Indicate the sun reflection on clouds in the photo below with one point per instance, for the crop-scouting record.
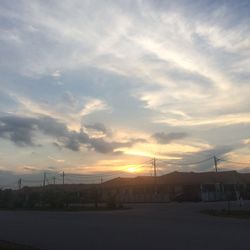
(114, 166)
(165, 151)
(167, 65)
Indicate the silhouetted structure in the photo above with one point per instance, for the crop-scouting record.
(175, 186)
(179, 186)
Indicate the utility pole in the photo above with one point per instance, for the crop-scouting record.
(155, 175)
(218, 185)
(215, 164)
(19, 183)
(54, 180)
(44, 179)
(154, 165)
(63, 177)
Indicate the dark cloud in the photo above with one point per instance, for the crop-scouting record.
(18, 130)
(102, 146)
(164, 138)
(98, 126)
(22, 131)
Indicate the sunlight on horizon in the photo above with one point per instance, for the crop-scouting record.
(96, 87)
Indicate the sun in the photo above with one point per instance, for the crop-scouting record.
(132, 170)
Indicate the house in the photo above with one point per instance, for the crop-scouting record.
(246, 178)
(178, 186)
(138, 189)
(205, 186)
(175, 186)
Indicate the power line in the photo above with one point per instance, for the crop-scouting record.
(235, 162)
(89, 177)
(33, 181)
(111, 172)
(76, 177)
(95, 177)
(185, 163)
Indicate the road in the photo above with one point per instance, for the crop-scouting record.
(145, 226)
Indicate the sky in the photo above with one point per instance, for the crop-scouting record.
(93, 87)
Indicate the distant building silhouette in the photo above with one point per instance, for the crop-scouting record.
(175, 186)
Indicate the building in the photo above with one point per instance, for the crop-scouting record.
(175, 186)
(179, 186)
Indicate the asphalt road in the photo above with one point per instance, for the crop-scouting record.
(146, 226)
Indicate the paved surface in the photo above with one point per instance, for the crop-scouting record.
(146, 226)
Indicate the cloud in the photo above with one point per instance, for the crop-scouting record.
(93, 105)
(223, 120)
(98, 126)
(69, 99)
(201, 160)
(56, 160)
(164, 138)
(68, 108)
(56, 74)
(196, 59)
(22, 131)
(18, 130)
(154, 64)
(30, 168)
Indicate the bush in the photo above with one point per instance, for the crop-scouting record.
(113, 203)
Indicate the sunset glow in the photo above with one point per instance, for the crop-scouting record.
(96, 88)
(133, 169)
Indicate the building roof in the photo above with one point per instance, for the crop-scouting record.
(126, 181)
(182, 178)
(174, 178)
(225, 177)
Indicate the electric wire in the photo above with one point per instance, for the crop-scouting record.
(185, 163)
(235, 162)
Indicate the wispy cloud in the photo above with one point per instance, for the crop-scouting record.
(56, 160)
(137, 67)
(223, 120)
(69, 110)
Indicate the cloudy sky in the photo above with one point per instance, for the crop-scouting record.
(102, 86)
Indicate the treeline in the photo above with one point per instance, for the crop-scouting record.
(48, 198)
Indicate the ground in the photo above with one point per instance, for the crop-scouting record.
(145, 226)
(5, 245)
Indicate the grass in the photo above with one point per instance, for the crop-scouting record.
(239, 214)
